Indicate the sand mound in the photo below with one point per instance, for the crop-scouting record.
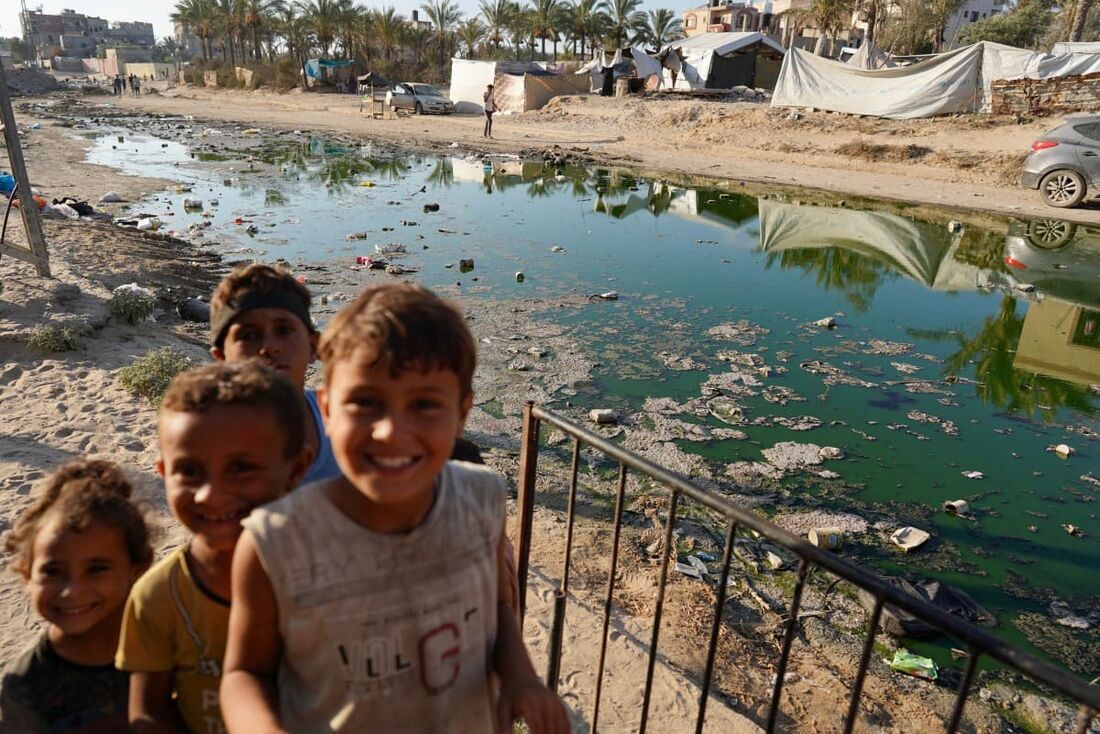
(29, 82)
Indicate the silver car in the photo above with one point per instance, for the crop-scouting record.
(421, 99)
(1065, 161)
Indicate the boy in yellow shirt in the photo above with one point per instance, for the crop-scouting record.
(231, 439)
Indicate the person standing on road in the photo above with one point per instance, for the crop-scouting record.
(490, 108)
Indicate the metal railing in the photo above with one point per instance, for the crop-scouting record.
(978, 642)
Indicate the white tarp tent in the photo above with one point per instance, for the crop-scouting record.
(1076, 47)
(469, 79)
(956, 81)
(869, 56)
(702, 54)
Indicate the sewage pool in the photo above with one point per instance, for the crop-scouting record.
(969, 345)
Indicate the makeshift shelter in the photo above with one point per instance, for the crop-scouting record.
(335, 71)
(603, 64)
(869, 56)
(726, 60)
(531, 90)
(1076, 47)
(956, 81)
(519, 85)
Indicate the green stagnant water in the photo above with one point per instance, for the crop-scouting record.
(1012, 309)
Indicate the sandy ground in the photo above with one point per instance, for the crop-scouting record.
(969, 161)
(58, 405)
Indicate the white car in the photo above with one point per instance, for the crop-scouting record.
(421, 99)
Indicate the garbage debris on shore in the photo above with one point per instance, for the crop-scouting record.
(914, 665)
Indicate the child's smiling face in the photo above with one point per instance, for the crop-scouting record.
(79, 579)
(391, 435)
(220, 464)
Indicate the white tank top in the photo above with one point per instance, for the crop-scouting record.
(386, 633)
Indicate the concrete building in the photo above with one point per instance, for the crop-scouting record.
(971, 12)
(131, 33)
(72, 35)
(765, 16)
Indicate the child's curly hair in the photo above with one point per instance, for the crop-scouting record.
(82, 492)
(249, 384)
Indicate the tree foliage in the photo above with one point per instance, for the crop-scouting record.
(1023, 27)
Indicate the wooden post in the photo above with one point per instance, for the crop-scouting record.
(32, 224)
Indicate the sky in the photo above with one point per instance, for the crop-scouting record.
(157, 11)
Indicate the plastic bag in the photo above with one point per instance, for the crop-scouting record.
(915, 665)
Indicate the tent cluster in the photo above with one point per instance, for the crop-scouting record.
(704, 61)
(519, 86)
(956, 81)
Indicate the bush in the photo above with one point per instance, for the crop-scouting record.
(53, 338)
(132, 303)
(1023, 27)
(148, 376)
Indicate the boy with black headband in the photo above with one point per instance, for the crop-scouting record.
(261, 311)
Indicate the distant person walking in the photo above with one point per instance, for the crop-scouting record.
(118, 85)
(490, 108)
(137, 85)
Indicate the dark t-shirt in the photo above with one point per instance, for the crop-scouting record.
(42, 693)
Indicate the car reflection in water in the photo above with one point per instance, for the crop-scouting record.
(1059, 259)
(1061, 331)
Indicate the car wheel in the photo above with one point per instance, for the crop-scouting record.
(419, 109)
(1063, 188)
(1050, 234)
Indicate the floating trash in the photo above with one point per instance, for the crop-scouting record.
(603, 416)
(909, 538)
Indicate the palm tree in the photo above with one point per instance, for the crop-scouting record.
(625, 17)
(659, 28)
(519, 26)
(323, 18)
(443, 14)
(587, 21)
(471, 32)
(295, 31)
(416, 38)
(828, 17)
(497, 14)
(388, 24)
(1080, 15)
(199, 17)
(256, 19)
(547, 17)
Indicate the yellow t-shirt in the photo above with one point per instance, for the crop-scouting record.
(171, 623)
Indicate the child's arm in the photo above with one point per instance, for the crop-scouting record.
(248, 696)
(522, 696)
(152, 710)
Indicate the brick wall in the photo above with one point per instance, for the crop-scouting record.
(1061, 94)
